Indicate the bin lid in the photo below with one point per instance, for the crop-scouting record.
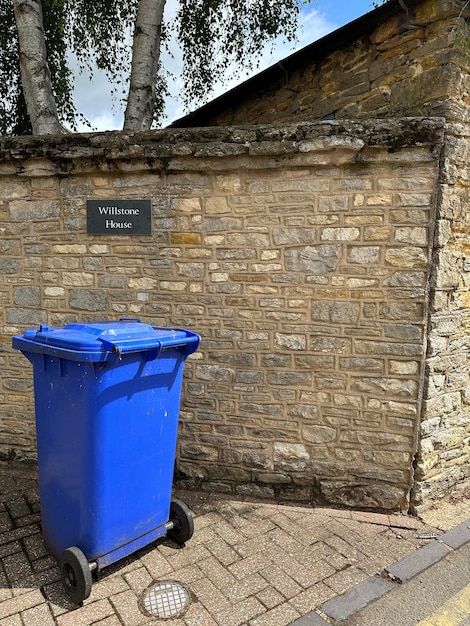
(101, 338)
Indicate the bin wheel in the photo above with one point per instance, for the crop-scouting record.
(76, 574)
(183, 523)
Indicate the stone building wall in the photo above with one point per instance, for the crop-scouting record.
(408, 65)
(302, 254)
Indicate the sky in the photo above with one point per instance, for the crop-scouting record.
(93, 97)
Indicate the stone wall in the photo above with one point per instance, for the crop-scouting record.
(412, 63)
(444, 452)
(302, 255)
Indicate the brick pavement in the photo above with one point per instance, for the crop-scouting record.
(248, 563)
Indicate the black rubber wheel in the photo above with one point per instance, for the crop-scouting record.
(76, 574)
(183, 523)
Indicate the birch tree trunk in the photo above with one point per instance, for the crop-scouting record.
(35, 74)
(145, 59)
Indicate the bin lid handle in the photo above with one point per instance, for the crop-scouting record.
(153, 351)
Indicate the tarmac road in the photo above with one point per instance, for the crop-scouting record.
(440, 596)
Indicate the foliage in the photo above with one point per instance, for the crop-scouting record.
(13, 116)
(93, 30)
(213, 35)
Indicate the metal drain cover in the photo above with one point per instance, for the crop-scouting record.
(166, 599)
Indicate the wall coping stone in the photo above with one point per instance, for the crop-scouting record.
(396, 134)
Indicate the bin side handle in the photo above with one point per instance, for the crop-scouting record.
(192, 342)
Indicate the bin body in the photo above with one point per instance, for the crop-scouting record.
(106, 427)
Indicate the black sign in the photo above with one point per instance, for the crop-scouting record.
(119, 217)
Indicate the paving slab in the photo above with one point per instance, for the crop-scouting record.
(249, 563)
(311, 619)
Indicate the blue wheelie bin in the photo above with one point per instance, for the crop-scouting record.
(107, 399)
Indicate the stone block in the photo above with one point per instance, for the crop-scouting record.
(27, 317)
(318, 434)
(310, 619)
(336, 312)
(361, 494)
(290, 457)
(291, 342)
(413, 235)
(318, 260)
(409, 257)
(9, 266)
(340, 234)
(217, 205)
(293, 236)
(33, 210)
(213, 373)
(88, 300)
(185, 238)
(27, 296)
(335, 203)
(363, 255)
(288, 378)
